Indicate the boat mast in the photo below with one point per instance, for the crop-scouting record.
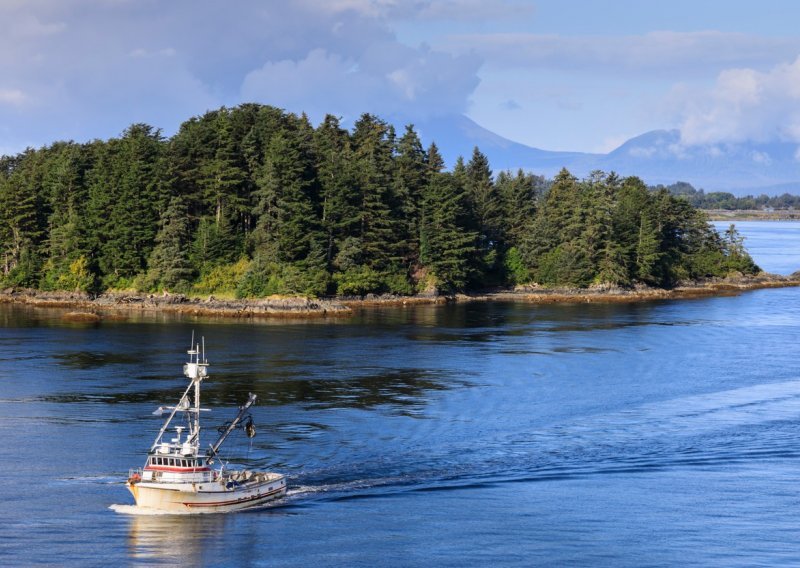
(196, 370)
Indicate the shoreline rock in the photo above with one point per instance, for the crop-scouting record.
(118, 302)
(115, 304)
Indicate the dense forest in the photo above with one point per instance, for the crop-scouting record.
(255, 201)
(724, 200)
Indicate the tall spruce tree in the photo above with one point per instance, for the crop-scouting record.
(126, 197)
(169, 265)
(221, 176)
(411, 176)
(447, 244)
(23, 215)
(378, 239)
(339, 215)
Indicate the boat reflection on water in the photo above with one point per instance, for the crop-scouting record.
(179, 540)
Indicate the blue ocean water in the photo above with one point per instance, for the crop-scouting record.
(653, 434)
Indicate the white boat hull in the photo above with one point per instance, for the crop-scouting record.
(221, 496)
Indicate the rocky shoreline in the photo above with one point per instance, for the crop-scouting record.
(84, 307)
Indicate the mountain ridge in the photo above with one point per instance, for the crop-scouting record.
(657, 156)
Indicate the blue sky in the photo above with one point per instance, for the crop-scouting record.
(558, 75)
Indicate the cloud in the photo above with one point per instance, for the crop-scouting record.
(761, 158)
(89, 68)
(743, 104)
(474, 10)
(12, 97)
(655, 52)
(432, 10)
(390, 80)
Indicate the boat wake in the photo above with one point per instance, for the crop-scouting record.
(735, 428)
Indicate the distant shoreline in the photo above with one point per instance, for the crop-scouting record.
(80, 307)
(752, 215)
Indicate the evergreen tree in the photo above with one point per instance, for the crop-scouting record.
(126, 196)
(485, 212)
(648, 252)
(340, 217)
(287, 220)
(170, 265)
(411, 175)
(23, 217)
(378, 235)
(67, 242)
(221, 177)
(447, 244)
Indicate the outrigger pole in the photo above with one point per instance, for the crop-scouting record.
(242, 410)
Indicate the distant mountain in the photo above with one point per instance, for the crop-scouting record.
(457, 135)
(658, 157)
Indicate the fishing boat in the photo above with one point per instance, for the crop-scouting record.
(180, 477)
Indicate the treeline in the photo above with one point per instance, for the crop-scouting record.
(724, 200)
(256, 201)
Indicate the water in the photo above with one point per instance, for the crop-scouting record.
(649, 434)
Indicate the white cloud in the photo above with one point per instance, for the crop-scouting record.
(88, 68)
(390, 80)
(656, 52)
(743, 104)
(12, 97)
(761, 158)
(142, 52)
(474, 10)
(448, 10)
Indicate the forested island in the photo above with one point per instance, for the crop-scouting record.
(252, 201)
(725, 201)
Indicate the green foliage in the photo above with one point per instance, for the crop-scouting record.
(76, 278)
(447, 244)
(25, 272)
(170, 266)
(515, 269)
(736, 257)
(396, 281)
(222, 279)
(565, 265)
(358, 281)
(254, 201)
